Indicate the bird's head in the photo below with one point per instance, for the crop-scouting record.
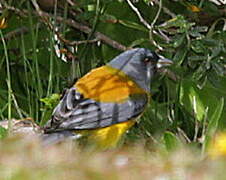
(140, 65)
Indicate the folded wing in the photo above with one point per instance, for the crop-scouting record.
(74, 112)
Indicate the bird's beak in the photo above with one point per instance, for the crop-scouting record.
(163, 62)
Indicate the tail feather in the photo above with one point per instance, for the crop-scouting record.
(57, 137)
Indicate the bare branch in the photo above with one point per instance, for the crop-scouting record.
(35, 4)
(157, 15)
(152, 26)
(145, 23)
(72, 23)
(87, 30)
(165, 9)
(15, 33)
(139, 14)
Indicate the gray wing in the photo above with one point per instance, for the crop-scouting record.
(75, 112)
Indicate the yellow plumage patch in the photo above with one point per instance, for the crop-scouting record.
(107, 137)
(106, 84)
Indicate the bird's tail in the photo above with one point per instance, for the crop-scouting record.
(49, 139)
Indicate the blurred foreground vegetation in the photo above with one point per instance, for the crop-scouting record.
(188, 102)
(24, 158)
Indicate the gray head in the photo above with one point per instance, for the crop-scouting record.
(140, 64)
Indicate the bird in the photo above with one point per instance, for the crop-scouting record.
(106, 102)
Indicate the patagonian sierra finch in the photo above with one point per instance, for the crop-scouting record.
(107, 101)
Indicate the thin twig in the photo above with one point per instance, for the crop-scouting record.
(72, 23)
(157, 15)
(164, 35)
(153, 23)
(139, 14)
(145, 23)
(181, 132)
(165, 9)
(62, 39)
(15, 33)
(73, 43)
(87, 30)
(98, 35)
(70, 3)
(21, 13)
(17, 106)
(35, 4)
(170, 74)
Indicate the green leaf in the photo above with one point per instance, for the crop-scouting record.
(138, 42)
(197, 58)
(175, 22)
(211, 8)
(190, 98)
(108, 18)
(196, 31)
(133, 25)
(214, 119)
(200, 28)
(3, 132)
(198, 47)
(179, 41)
(51, 101)
(180, 22)
(196, 99)
(180, 56)
(213, 124)
(216, 50)
(171, 141)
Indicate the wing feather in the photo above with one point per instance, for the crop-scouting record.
(74, 112)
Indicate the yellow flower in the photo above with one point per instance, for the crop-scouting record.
(194, 8)
(3, 23)
(217, 147)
